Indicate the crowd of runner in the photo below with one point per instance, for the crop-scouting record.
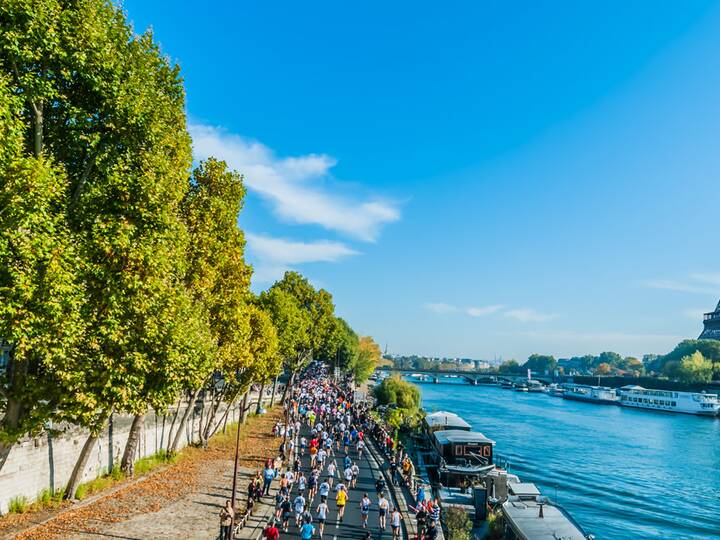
(321, 447)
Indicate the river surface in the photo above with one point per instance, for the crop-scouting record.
(621, 473)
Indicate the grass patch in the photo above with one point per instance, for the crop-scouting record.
(93, 486)
(147, 464)
(18, 505)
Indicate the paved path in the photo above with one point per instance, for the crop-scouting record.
(351, 527)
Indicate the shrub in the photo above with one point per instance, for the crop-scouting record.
(394, 390)
(18, 505)
(458, 524)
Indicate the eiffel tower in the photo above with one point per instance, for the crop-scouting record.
(712, 324)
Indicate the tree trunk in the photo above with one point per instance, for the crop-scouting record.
(212, 413)
(287, 386)
(172, 424)
(260, 399)
(172, 448)
(4, 453)
(38, 129)
(82, 460)
(244, 410)
(128, 460)
(272, 397)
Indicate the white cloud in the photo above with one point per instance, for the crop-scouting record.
(439, 307)
(711, 278)
(482, 311)
(293, 184)
(276, 255)
(698, 283)
(528, 315)
(678, 286)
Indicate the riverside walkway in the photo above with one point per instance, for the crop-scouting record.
(350, 528)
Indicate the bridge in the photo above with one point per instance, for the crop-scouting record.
(474, 378)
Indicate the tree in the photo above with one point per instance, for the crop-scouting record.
(694, 368)
(394, 390)
(40, 290)
(709, 348)
(366, 360)
(304, 318)
(108, 109)
(540, 363)
(603, 369)
(509, 366)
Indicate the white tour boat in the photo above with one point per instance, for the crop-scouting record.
(669, 400)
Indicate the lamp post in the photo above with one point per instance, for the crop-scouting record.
(234, 484)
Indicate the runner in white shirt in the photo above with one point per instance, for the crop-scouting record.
(331, 469)
(355, 473)
(324, 491)
(395, 518)
(365, 509)
(291, 480)
(299, 507)
(322, 513)
(360, 446)
(348, 476)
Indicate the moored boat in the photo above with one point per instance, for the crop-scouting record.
(669, 400)
(601, 395)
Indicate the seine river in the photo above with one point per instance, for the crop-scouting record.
(621, 473)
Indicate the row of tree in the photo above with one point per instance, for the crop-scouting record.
(691, 361)
(123, 281)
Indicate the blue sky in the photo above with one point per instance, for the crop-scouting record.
(480, 179)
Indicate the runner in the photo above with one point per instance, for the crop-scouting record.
(341, 499)
(322, 512)
(395, 519)
(286, 512)
(383, 507)
(299, 506)
(307, 531)
(365, 509)
(332, 471)
(324, 491)
(355, 470)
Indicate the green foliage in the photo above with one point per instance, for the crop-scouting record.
(540, 363)
(709, 348)
(304, 319)
(394, 390)
(509, 367)
(150, 463)
(367, 359)
(18, 505)
(458, 524)
(693, 368)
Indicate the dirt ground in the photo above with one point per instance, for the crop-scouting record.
(181, 500)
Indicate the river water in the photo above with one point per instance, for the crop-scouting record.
(621, 473)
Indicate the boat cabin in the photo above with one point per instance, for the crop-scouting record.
(443, 421)
(469, 448)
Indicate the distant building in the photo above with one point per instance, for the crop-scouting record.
(711, 322)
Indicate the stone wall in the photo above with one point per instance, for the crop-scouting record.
(46, 462)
